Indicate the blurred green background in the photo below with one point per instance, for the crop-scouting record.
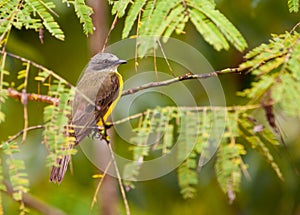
(263, 194)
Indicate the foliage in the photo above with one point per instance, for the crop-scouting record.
(194, 132)
(56, 124)
(39, 14)
(228, 167)
(84, 13)
(293, 5)
(259, 138)
(161, 18)
(275, 66)
(55, 127)
(16, 173)
(36, 15)
(3, 85)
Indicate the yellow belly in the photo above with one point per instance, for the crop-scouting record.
(112, 106)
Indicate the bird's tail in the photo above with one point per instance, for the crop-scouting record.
(58, 172)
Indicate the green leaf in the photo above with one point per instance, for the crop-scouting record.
(132, 16)
(158, 18)
(18, 178)
(229, 168)
(120, 7)
(56, 124)
(153, 16)
(8, 12)
(207, 13)
(258, 141)
(189, 133)
(2, 186)
(40, 7)
(293, 65)
(16, 173)
(286, 94)
(131, 171)
(187, 177)
(84, 13)
(293, 6)
(209, 31)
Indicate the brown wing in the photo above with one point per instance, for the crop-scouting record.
(97, 92)
(106, 95)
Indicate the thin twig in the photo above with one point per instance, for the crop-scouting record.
(100, 183)
(165, 57)
(119, 180)
(50, 72)
(24, 101)
(294, 28)
(12, 138)
(110, 30)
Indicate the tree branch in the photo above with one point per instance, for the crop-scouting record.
(35, 203)
(187, 76)
(31, 96)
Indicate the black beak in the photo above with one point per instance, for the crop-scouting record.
(122, 61)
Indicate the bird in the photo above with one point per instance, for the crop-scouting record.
(97, 92)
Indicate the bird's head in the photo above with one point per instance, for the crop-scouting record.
(105, 62)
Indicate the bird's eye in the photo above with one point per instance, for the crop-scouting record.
(105, 61)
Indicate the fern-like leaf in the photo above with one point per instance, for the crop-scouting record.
(258, 140)
(2, 186)
(293, 6)
(194, 132)
(16, 172)
(293, 64)
(24, 18)
(152, 16)
(188, 139)
(286, 94)
(208, 30)
(187, 176)
(39, 7)
(206, 8)
(277, 66)
(140, 151)
(3, 85)
(135, 9)
(120, 7)
(56, 124)
(158, 18)
(84, 13)
(228, 168)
